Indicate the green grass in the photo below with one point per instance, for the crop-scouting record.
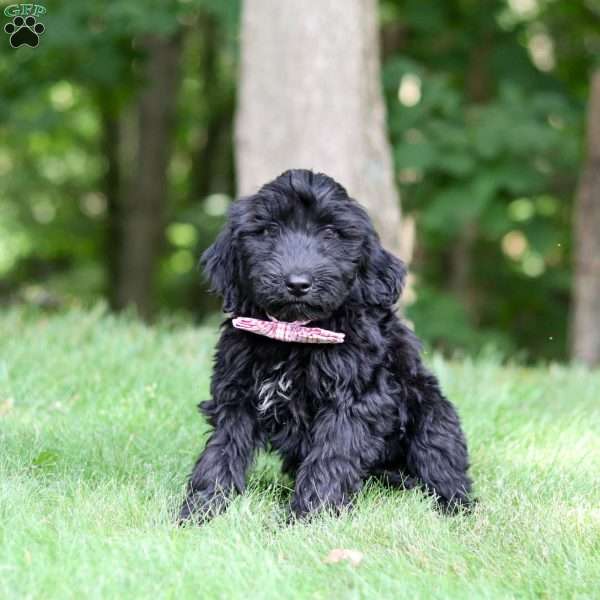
(98, 429)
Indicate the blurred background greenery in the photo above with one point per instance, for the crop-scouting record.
(486, 104)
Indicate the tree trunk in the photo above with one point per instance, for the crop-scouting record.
(112, 189)
(478, 90)
(144, 210)
(310, 97)
(212, 161)
(586, 234)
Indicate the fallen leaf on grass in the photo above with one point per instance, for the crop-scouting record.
(354, 557)
(5, 406)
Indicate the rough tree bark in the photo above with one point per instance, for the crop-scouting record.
(146, 199)
(586, 233)
(310, 97)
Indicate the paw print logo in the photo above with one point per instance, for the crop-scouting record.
(24, 32)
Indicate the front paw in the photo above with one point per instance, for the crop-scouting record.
(200, 507)
(459, 504)
(304, 506)
(298, 511)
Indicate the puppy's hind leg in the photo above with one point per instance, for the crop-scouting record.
(436, 447)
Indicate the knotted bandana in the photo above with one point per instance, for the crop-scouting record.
(284, 331)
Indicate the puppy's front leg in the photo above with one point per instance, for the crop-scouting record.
(220, 471)
(337, 463)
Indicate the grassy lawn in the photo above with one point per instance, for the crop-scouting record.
(98, 430)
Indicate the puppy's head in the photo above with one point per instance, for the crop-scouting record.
(298, 250)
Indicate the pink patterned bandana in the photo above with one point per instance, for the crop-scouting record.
(284, 331)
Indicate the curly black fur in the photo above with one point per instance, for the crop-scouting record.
(337, 414)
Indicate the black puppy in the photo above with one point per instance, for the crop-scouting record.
(337, 413)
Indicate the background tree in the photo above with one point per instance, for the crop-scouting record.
(310, 97)
(586, 301)
(575, 33)
(144, 211)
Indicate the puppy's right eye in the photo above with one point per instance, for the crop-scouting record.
(269, 231)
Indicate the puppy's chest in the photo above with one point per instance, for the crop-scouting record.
(284, 394)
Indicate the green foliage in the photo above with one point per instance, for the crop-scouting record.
(53, 204)
(487, 148)
(485, 105)
(94, 460)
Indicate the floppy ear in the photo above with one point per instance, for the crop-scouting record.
(220, 266)
(380, 277)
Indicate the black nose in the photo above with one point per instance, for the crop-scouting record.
(298, 283)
